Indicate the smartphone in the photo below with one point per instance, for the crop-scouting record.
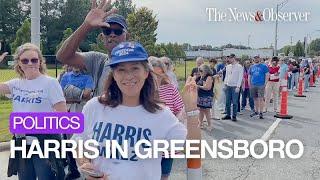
(92, 173)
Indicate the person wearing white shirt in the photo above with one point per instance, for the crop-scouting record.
(232, 82)
(130, 110)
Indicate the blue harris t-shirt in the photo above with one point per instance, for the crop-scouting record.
(258, 74)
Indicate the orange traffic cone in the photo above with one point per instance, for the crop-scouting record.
(284, 100)
(300, 84)
(312, 81)
(300, 89)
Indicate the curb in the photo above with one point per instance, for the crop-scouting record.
(4, 146)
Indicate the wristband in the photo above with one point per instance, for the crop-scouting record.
(193, 113)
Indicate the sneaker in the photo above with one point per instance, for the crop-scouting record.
(240, 113)
(214, 118)
(224, 112)
(234, 118)
(260, 116)
(253, 114)
(226, 117)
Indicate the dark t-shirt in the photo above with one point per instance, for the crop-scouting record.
(307, 69)
(295, 68)
(201, 92)
(195, 72)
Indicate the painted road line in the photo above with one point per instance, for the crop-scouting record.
(271, 129)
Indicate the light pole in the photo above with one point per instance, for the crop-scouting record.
(249, 40)
(35, 22)
(279, 6)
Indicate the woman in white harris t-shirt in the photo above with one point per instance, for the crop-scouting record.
(33, 91)
(128, 110)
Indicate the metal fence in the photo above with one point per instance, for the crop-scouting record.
(6, 67)
(182, 66)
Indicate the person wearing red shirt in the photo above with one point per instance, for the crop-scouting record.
(273, 85)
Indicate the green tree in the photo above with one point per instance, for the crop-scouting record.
(142, 25)
(186, 47)
(125, 7)
(12, 15)
(286, 49)
(72, 15)
(314, 47)
(23, 35)
(170, 50)
(99, 45)
(51, 30)
(66, 34)
(298, 49)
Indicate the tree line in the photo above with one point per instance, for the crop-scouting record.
(298, 50)
(59, 18)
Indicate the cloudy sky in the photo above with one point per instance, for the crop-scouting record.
(187, 21)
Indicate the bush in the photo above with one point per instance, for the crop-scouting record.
(4, 98)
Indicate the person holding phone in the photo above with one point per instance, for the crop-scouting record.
(130, 109)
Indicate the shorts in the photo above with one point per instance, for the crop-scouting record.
(166, 166)
(257, 91)
(205, 102)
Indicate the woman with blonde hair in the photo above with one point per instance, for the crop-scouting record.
(34, 91)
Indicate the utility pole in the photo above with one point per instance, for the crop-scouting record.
(279, 6)
(276, 35)
(35, 22)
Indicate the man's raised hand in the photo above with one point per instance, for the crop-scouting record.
(97, 15)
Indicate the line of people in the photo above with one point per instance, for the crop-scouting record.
(231, 84)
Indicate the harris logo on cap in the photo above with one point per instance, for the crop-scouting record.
(128, 52)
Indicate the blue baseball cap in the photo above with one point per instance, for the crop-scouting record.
(116, 18)
(128, 52)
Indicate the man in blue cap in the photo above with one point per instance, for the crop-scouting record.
(114, 31)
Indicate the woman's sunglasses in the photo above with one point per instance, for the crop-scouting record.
(26, 61)
(108, 31)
